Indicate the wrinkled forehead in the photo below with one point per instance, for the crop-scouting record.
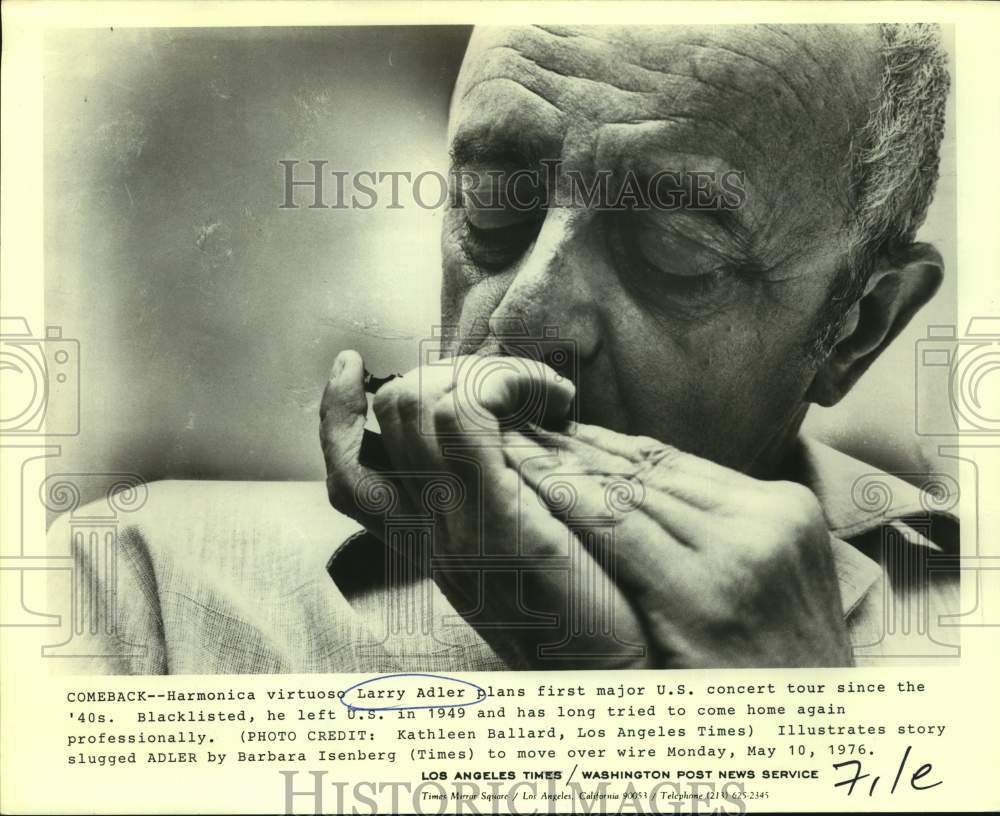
(767, 100)
(607, 74)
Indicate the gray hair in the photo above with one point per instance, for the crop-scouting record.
(893, 162)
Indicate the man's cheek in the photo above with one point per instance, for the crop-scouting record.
(458, 277)
(468, 301)
(453, 292)
(465, 309)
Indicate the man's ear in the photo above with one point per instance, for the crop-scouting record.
(897, 289)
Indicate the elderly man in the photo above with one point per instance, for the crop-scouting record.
(700, 529)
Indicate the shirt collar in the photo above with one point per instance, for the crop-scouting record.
(857, 497)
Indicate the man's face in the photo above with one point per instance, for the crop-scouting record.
(690, 327)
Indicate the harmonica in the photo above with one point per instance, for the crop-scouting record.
(373, 453)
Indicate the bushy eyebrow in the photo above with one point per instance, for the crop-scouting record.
(726, 230)
(723, 231)
(520, 149)
(732, 221)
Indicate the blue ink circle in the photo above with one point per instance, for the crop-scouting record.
(411, 707)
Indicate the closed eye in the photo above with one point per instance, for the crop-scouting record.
(658, 264)
(495, 249)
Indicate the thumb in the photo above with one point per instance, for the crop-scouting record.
(520, 391)
(342, 410)
(352, 488)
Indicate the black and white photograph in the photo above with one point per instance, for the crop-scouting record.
(533, 347)
(499, 407)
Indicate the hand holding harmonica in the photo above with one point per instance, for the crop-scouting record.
(706, 567)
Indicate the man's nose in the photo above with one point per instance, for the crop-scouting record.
(550, 310)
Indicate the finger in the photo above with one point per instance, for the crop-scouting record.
(351, 487)
(517, 390)
(474, 454)
(413, 453)
(700, 482)
(512, 390)
(409, 442)
(539, 552)
(483, 390)
(342, 412)
(633, 532)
